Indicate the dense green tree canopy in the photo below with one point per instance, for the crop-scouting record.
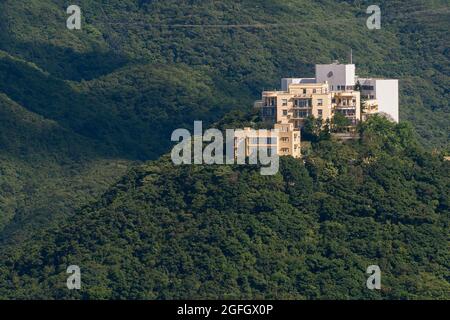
(166, 232)
(80, 109)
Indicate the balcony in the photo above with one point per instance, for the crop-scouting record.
(302, 103)
(343, 107)
(370, 106)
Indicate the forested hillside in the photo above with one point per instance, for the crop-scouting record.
(309, 232)
(46, 170)
(79, 109)
(139, 69)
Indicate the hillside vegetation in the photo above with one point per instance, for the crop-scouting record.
(81, 109)
(139, 69)
(309, 232)
(46, 170)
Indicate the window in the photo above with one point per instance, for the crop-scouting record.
(268, 150)
(314, 90)
(302, 114)
(347, 113)
(271, 102)
(320, 102)
(320, 113)
(285, 112)
(269, 112)
(258, 141)
(303, 103)
(285, 139)
(284, 102)
(304, 91)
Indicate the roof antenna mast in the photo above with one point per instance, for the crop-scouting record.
(351, 56)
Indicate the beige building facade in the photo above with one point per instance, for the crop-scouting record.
(336, 89)
(283, 140)
(332, 91)
(302, 100)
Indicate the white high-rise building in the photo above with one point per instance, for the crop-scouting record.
(385, 92)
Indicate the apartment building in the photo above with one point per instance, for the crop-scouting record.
(297, 103)
(302, 100)
(335, 89)
(284, 140)
(384, 92)
(380, 92)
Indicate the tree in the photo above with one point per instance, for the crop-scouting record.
(314, 129)
(339, 122)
